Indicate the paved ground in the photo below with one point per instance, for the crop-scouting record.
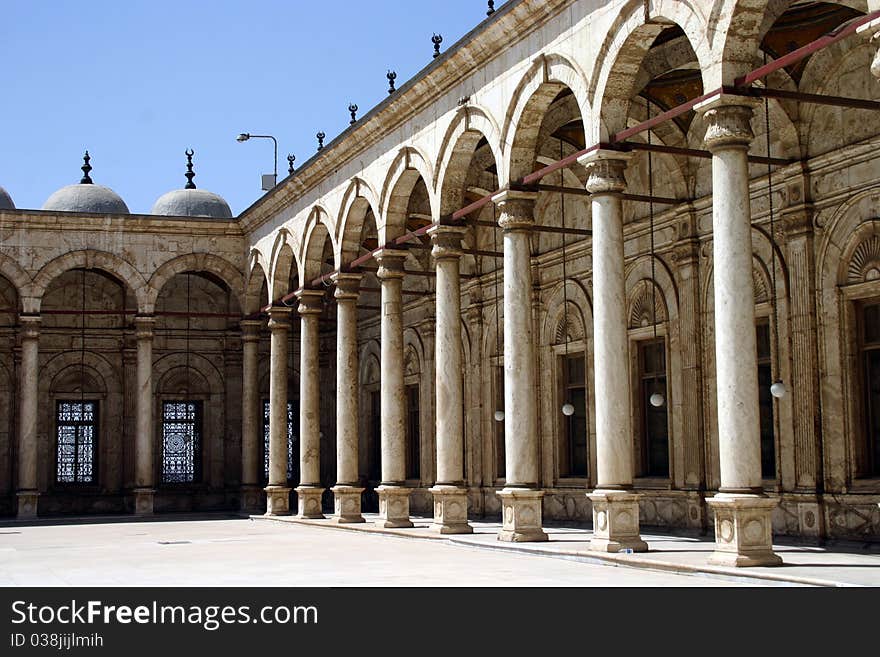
(243, 552)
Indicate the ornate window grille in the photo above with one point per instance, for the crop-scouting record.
(291, 441)
(77, 433)
(181, 442)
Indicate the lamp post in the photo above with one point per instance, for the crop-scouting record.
(243, 137)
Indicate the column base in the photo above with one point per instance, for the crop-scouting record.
(521, 516)
(743, 531)
(27, 504)
(616, 522)
(277, 501)
(309, 503)
(143, 501)
(450, 510)
(347, 505)
(393, 507)
(251, 499)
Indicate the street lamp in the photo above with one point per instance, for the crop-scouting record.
(269, 181)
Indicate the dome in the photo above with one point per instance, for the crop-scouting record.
(86, 197)
(6, 200)
(191, 202)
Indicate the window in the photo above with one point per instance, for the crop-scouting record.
(292, 454)
(655, 419)
(181, 442)
(765, 401)
(500, 454)
(869, 339)
(376, 435)
(574, 430)
(413, 434)
(76, 434)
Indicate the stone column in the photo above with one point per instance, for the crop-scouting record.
(28, 484)
(145, 472)
(278, 491)
(615, 506)
(309, 492)
(251, 415)
(346, 492)
(742, 511)
(521, 498)
(450, 493)
(393, 494)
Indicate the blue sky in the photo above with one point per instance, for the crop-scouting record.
(138, 82)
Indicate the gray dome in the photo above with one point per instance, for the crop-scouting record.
(192, 203)
(6, 200)
(86, 198)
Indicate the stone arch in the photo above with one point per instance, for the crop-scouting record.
(256, 279)
(580, 314)
(359, 199)
(101, 371)
(469, 126)
(284, 266)
(626, 46)
(88, 259)
(170, 371)
(196, 262)
(318, 232)
(408, 167)
(370, 363)
(548, 75)
(18, 278)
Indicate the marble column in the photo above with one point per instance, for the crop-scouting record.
(145, 477)
(346, 492)
(278, 491)
(615, 506)
(521, 499)
(393, 493)
(743, 529)
(28, 484)
(251, 415)
(450, 493)
(309, 492)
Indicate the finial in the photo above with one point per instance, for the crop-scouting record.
(86, 180)
(392, 76)
(290, 160)
(320, 137)
(353, 109)
(190, 174)
(437, 39)
(491, 8)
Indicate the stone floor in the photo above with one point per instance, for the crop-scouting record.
(232, 551)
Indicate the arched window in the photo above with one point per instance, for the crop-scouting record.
(869, 364)
(413, 412)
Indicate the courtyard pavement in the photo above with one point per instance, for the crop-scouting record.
(229, 551)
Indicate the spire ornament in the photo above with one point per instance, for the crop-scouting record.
(321, 136)
(86, 167)
(290, 160)
(491, 8)
(437, 39)
(190, 174)
(353, 109)
(392, 76)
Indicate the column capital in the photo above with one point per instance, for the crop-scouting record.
(446, 241)
(250, 330)
(30, 326)
(143, 326)
(390, 263)
(279, 318)
(605, 171)
(348, 286)
(728, 121)
(517, 209)
(311, 302)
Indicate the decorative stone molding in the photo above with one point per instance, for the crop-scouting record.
(277, 501)
(311, 302)
(728, 121)
(605, 171)
(279, 319)
(144, 326)
(390, 264)
(446, 241)
(30, 327)
(450, 510)
(864, 265)
(393, 507)
(347, 505)
(743, 531)
(348, 286)
(516, 209)
(641, 314)
(309, 502)
(250, 330)
(521, 516)
(616, 522)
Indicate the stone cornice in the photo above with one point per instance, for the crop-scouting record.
(512, 22)
(135, 223)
